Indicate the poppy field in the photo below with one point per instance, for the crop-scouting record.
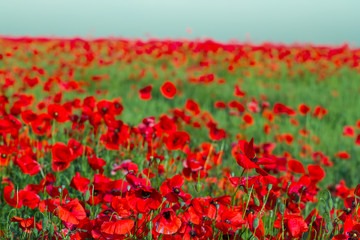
(169, 139)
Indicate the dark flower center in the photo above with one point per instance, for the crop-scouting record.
(250, 211)
(254, 159)
(117, 105)
(56, 114)
(3, 155)
(227, 221)
(176, 190)
(96, 192)
(104, 109)
(107, 211)
(347, 210)
(192, 233)
(166, 215)
(354, 235)
(145, 194)
(295, 196)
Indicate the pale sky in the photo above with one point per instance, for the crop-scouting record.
(287, 21)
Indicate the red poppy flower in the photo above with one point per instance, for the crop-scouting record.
(5, 155)
(55, 192)
(171, 189)
(75, 147)
(288, 137)
(42, 125)
(71, 212)
(166, 125)
(357, 140)
(177, 140)
(167, 222)
(144, 199)
(28, 116)
(61, 157)
(217, 134)
(58, 112)
(120, 227)
(80, 183)
(31, 82)
(238, 92)
(29, 199)
(128, 167)
(351, 230)
(121, 206)
(294, 225)
(316, 172)
(236, 104)
(304, 109)
(342, 155)
(25, 224)
(259, 231)
(248, 119)
(192, 106)
(136, 182)
(145, 93)
(28, 165)
(280, 108)
(296, 166)
(168, 89)
(104, 107)
(349, 131)
(96, 163)
(117, 108)
(20, 198)
(229, 219)
(245, 156)
(220, 104)
(319, 112)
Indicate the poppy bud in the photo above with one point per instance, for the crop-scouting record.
(45, 223)
(198, 186)
(256, 201)
(87, 195)
(282, 208)
(256, 223)
(269, 187)
(12, 193)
